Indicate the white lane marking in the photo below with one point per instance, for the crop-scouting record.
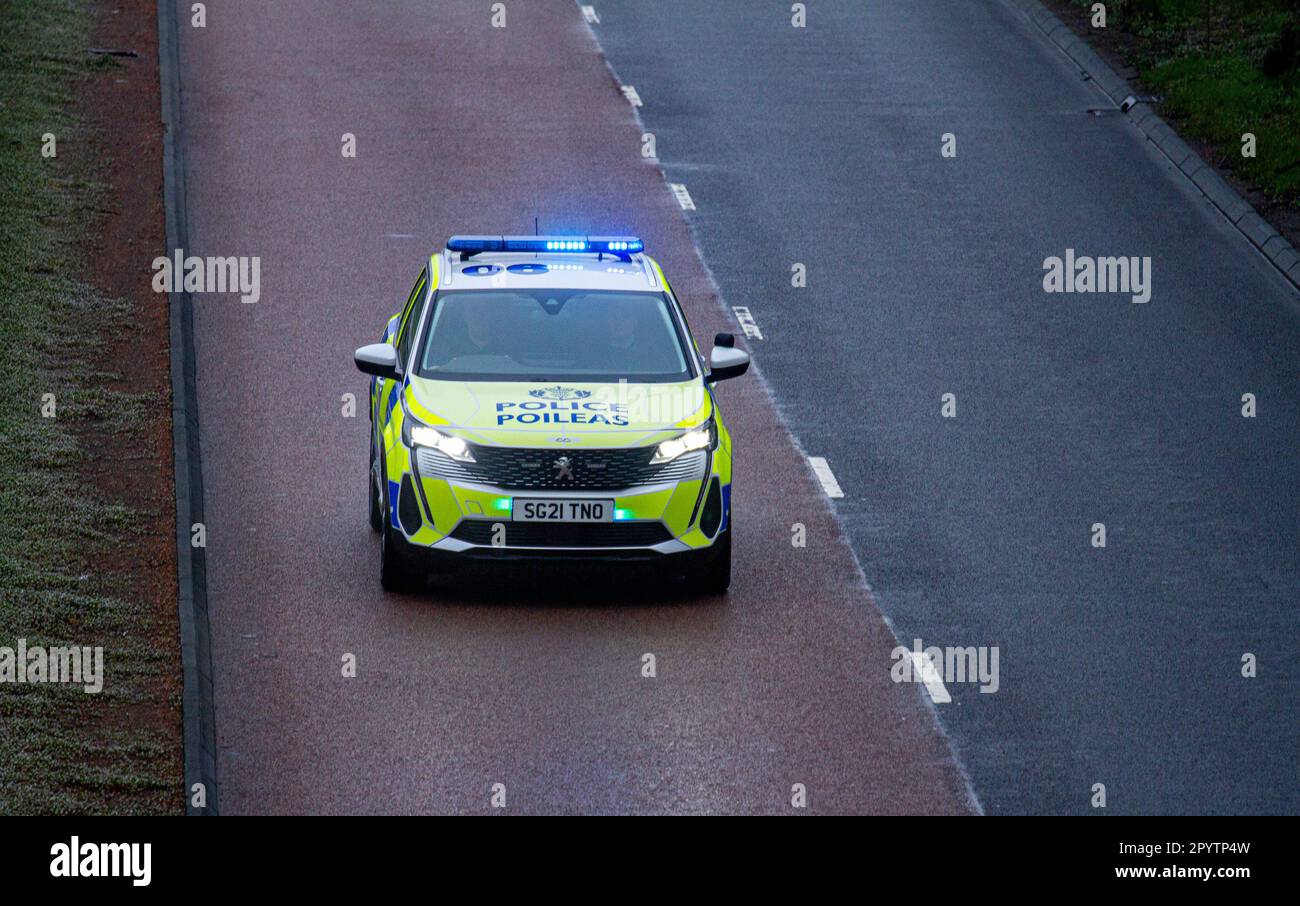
(589, 13)
(632, 97)
(923, 667)
(822, 469)
(683, 197)
(747, 322)
(399, 235)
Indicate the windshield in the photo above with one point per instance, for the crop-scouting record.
(552, 335)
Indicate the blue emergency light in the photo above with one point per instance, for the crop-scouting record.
(623, 247)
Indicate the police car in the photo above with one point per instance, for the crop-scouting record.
(541, 397)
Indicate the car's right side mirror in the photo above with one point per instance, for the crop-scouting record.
(379, 359)
(726, 361)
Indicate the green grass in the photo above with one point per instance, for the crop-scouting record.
(1224, 68)
(61, 581)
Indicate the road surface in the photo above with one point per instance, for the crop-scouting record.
(1120, 666)
(534, 683)
(817, 146)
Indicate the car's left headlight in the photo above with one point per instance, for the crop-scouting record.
(704, 437)
(418, 435)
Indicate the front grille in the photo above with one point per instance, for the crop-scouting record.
(534, 469)
(564, 534)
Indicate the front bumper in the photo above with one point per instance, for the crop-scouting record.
(440, 519)
(449, 555)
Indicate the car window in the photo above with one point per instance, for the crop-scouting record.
(410, 320)
(544, 335)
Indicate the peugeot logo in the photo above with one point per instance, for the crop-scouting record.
(563, 468)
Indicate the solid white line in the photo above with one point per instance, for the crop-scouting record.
(683, 197)
(923, 667)
(589, 13)
(822, 469)
(632, 97)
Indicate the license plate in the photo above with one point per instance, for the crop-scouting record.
(536, 509)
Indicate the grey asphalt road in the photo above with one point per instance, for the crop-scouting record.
(1119, 666)
(529, 681)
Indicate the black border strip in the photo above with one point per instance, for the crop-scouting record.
(198, 706)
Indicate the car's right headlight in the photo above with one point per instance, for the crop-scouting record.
(415, 434)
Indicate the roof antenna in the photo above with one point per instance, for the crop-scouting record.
(537, 231)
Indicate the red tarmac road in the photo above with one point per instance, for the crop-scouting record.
(462, 127)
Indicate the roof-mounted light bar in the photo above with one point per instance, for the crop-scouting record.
(623, 247)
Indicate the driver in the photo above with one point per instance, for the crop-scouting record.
(623, 325)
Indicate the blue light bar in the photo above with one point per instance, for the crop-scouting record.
(620, 246)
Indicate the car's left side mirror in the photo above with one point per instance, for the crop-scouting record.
(379, 359)
(726, 361)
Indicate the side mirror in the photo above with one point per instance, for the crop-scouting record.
(379, 359)
(727, 361)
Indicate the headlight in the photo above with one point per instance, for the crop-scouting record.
(702, 438)
(415, 434)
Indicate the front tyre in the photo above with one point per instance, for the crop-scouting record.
(714, 575)
(376, 493)
(394, 575)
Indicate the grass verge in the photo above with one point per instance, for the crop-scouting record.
(62, 581)
(1225, 68)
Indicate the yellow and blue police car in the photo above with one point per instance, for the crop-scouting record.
(541, 397)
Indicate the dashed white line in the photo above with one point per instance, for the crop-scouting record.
(632, 97)
(747, 322)
(589, 13)
(923, 667)
(822, 469)
(683, 197)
